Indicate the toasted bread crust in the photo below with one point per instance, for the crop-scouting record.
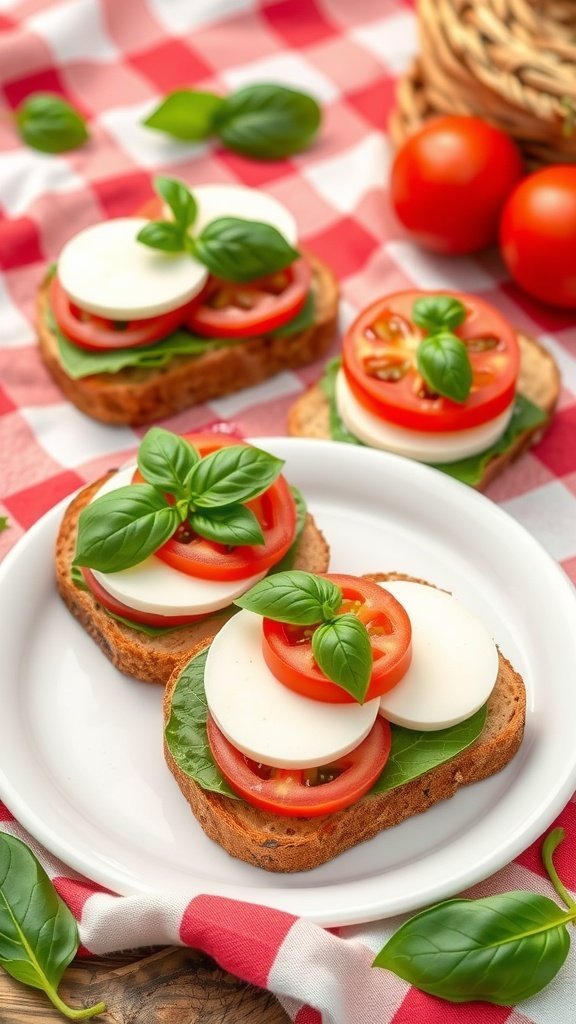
(139, 396)
(151, 659)
(298, 844)
(539, 381)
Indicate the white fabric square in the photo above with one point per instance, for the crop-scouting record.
(147, 147)
(280, 386)
(549, 514)
(428, 270)
(25, 175)
(71, 438)
(283, 69)
(565, 360)
(394, 40)
(74, 31)
(343, 180)
(16, 330)
(181, 15)
(555, 1004)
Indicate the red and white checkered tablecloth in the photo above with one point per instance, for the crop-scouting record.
(114, 60)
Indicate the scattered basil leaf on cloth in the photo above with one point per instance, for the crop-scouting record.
(500, 949)
(38, 933)
(49, 123)
(265, 122)
(445, 365)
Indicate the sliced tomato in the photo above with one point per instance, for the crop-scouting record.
(133, 614)
(96, 333)
(379, 361)
(288, 649)
(303, 792)
(196, 556)
(229, 310)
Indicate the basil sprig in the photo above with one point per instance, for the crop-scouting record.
(48, 123)
(340, 643)
(38, 933)
(501, 949)
(266, 122)
(232, 248)
(442, 357)
(122, 528)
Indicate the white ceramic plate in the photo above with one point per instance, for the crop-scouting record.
(81, 761)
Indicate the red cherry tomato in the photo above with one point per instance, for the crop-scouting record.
(288, 649)
(450, 181)
(97, 333)
(133, 614)
(538, 235)
(303, 792)
(229, 310)
(379, 361)
(275, 511)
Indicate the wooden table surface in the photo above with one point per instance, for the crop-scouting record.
(170, 986)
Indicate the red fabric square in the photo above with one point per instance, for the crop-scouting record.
(5, 814)
(419, 1008)
(546, 317)
(569, 567)
(171, 65)
(5, 23)
(47, 80)
(557, 449)
(30, 504)
(564, 859)
(299, 22)
(19, 243)
(6, 403)
(308, 1016)
(375, 102)
(21, 52)
(345, 246)
(256, 173)
(122, 196)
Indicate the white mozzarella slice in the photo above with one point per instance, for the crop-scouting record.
(454, 661)
(266, 720)
(153, 586)
(106, 271)
(240, 201)
(422, 445)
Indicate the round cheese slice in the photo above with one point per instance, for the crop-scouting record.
(454, 661)
(422, 445)
(153, 586)
(264, 719)
(106, 271)
(247, 203)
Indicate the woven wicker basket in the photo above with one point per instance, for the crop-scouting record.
(512, 62)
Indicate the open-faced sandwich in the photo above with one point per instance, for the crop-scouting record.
(440, 378)
(151, 557)
(141, 318)
(333, 707)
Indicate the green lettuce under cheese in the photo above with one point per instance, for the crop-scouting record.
(525, 416)
(412, 754)
(79, 362)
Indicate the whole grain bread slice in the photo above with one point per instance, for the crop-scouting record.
(138, 395)
(277, 843)
(539, 381)
(152, 659)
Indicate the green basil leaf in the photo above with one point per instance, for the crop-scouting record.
(268, 122)
(179, 199)
(232, 475)
(165, 460)
(343, 651)
(233, 525)
(50, 124)
(501, 949)
(444, 363)
(186, 114)
(162, 234)
(287, 562)
(120, 529)
(185, 732)
(438, 312)
(4, 523)
(414, 753)
(296, 597)
(549, 847)
(38, 933)
(242, 250)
